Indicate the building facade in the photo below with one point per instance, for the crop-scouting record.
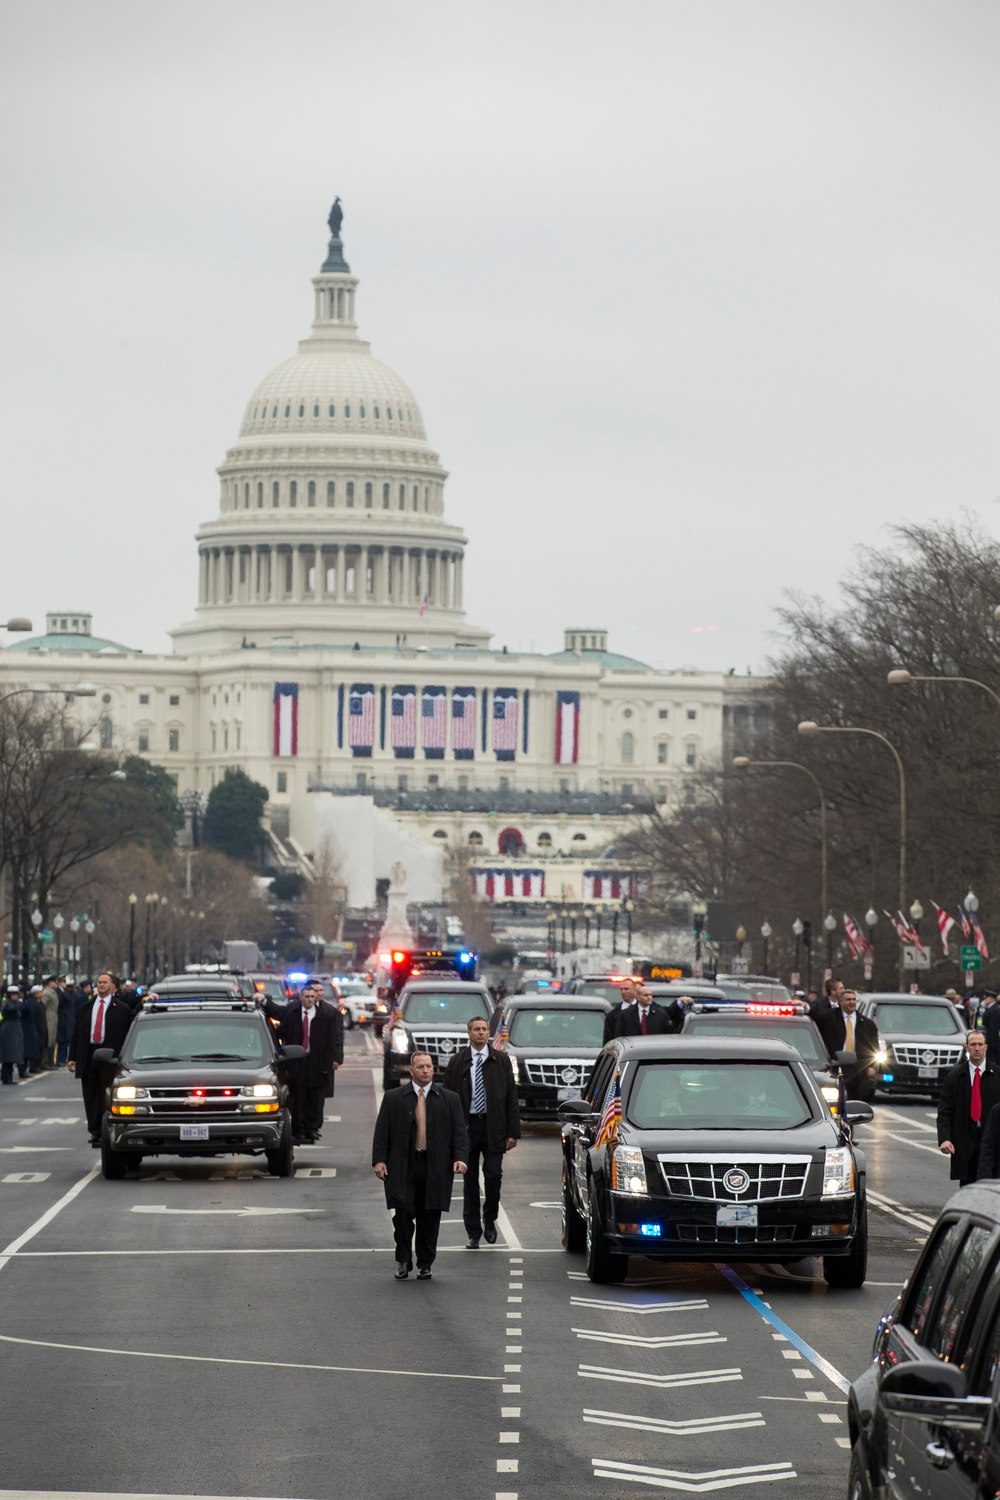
(330, 658)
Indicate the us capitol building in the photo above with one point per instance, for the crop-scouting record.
(331, 659)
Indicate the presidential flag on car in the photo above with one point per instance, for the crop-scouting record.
(567, 728)
(361, 718)
(505, 723)
(433, 708)
(463, 722)
(610, 1119)
(403, 731)
(286, 718)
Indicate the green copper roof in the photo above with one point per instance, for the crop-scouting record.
(609, 659)
(66, 641)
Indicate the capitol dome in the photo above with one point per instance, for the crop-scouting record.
(331, 523)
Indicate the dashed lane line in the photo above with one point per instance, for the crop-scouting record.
(898, 1211)
(917, 1145)
(260, 1364)
(769, 1316)
(29, 1234)
(894, 1114)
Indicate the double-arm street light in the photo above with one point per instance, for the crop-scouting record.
(899, 676)
(809, 727)
(742, 762)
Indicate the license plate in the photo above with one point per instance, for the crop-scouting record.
(563, 1094)
(194, 1132)
(744, 1214)
(927, 1072)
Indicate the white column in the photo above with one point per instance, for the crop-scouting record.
(319, 573)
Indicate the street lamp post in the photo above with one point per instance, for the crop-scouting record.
(36, 922)
(588, 912)
(160, 934)
(916, 912)
(58, 922)
(798, 927)
(614, 933)
(151, 896)
(741, 937)
(699, 911)
(765, 932)
(598, 913)
(74, 928)
(900, 676)
(629, 909)
(829, 926)
(572, 928)
(871, 917)
(132, 901)
(88, 928)
(742, 762)
(808, 726)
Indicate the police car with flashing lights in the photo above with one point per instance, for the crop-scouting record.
(552, 1041)
(431, 1015)
(689, 1148)
(198, 1078)
(789, 1022)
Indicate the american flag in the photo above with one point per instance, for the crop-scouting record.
(966, 928)
(856, 943)
(361, 718)
(505, 723)
(463, 722)
(977, 935)
(424, 604)
(608, 1129)
(907, 933)
(502, 1035)
(403, 733)
(433, 709)
(607, 885)
(945, 924)
(567, 728)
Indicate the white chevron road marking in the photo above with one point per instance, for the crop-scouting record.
(689, 1482)
(661, 1382)
(662, 1341)
(690, 1428)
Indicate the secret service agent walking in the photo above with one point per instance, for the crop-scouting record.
(420, 1142)
(310, 1023)
(483, 1079)
(102, 1023)
(646, 1018)
(969, 1094)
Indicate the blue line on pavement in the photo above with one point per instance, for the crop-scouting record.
(811, 1354)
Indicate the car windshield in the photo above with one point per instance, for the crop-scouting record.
(716, 1096)
(353, 987)
(557, 1028)
(428, 1009)
(917, 1020)
(798, 1034)
(184, 1038)
(603, 988)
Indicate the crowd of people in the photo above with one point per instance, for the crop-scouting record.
(37, 1023)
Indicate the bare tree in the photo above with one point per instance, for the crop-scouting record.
(324, 900)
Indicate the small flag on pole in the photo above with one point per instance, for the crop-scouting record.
(945, 924)
(423, 604)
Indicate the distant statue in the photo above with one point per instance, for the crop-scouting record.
(398, 874)
(336, 218)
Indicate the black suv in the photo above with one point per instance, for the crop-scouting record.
(431, 1016)
(551, 1042)
(198, 1079)
(923, 1416)
(921, 1037)
(687, 1148)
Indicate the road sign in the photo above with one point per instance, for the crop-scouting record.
(971, 957)
(740, 966)
(915, 958)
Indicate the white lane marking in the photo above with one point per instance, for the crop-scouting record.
(917, 1145)
(663, 1341)
(30, 1150)
(506, 1465)
(259, 1364)
(377, 1081)
(29, 1234)
(507, 1230)
(26, 1177)
(38, 1120)
(691, 1482)
(806, 1396)
(690, 1428)
(894, 1114)
(767, 1313)
(662, 1382)
(239, 1213)
(790, 1353)
(510, 1437)
(842, 1442)
(829, 1416)
(898, 1211)
(545, 1205)
(803, 1373)
(698, 1305)
(256, 1250)
(511, 1390)
(510, 1411)
(315, 1172)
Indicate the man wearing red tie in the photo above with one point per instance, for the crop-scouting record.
(312, 1023)
(646, 1018)
(104, 1022)
(968, 1095)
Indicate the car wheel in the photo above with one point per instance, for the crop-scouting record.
(850, 1270)
(114, 1164)
(603, 1265)
(280, 1160)
(348, 1020)
(574, 1225)
(858, 1487)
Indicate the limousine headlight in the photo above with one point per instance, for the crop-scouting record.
(515, 1069)
(838, 1172)
(400, 1040)
(628, 1171)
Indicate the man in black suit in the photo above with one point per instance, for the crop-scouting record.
(483, 1079)
(311, 1023)
(843, 1030)
(628, 991)
(103, 1022)
(420, 1142)
(969, 1096)
(646, 1018)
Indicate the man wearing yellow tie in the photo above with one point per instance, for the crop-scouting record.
(844, 1030)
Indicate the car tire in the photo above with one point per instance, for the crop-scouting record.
(603, 1266)
(280, 1161)
(849, 1271)
(858, 1487)
(114, 1164)
(348, 1020)
(574, 1225)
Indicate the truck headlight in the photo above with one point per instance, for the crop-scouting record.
(259, 1091)
(129, 1091)
(628, 1171)
(400, 1041)
(838, 1172)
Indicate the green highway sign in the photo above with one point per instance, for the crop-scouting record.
(971, 957)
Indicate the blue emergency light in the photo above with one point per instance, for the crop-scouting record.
(652, 1231)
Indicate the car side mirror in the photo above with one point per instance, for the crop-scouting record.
(575, 1109)
(105, 1057)
(292, 1053)
(933, 1391)
(859, 1113)
(846, 1059)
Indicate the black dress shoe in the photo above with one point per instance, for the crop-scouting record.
(490, 1231)
(472, 1243)
(423, 1273)
(95, 1140)
(402, 1270)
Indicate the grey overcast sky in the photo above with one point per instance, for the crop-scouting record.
(697, 298)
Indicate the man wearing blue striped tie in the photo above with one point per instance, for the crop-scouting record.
(483, 1079)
